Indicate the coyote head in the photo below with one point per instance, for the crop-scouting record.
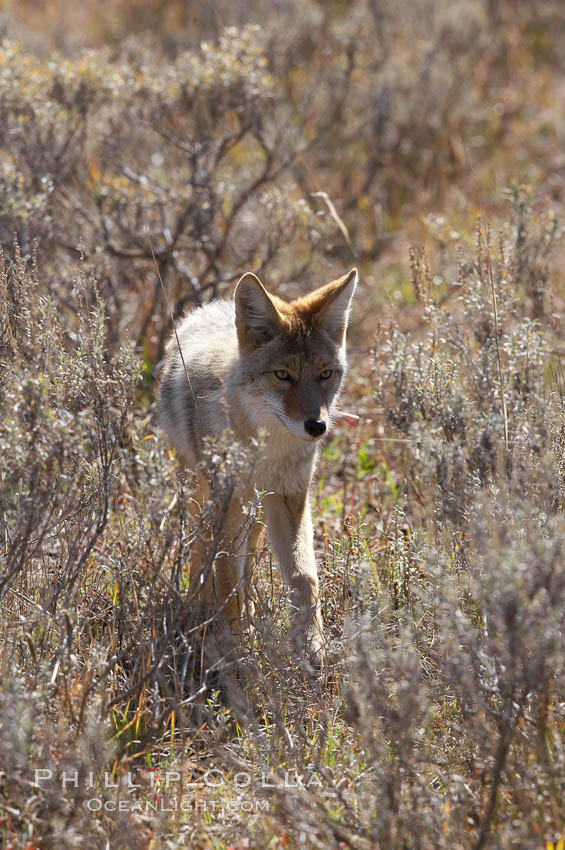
(292, 354)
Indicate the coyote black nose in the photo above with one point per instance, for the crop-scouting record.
(315, 427)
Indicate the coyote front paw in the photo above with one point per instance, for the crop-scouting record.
(316, 649)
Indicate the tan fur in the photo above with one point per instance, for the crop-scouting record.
(260, 364)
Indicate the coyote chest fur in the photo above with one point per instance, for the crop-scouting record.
(257, 364)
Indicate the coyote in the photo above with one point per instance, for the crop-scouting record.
(250, 365)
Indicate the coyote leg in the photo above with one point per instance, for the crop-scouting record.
(217, 554)
(289, 526)
(247, 565)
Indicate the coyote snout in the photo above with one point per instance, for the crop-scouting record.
(315, 427)
(258, 364)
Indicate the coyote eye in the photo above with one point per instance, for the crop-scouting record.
(327, 373)
(282, 374)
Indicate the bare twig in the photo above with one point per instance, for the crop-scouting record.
(336, 217)
(172, 318)
(495, 309)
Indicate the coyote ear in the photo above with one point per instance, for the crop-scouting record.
(333, 313)
(256, 317)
